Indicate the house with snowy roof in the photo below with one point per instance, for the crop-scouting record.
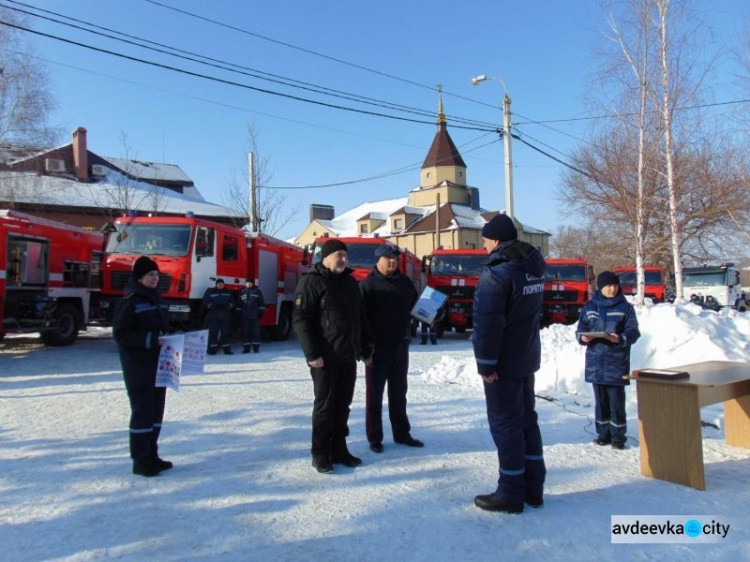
(74, 185)
(443, 210)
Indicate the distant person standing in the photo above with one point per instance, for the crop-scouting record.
(139, 321)
(608, 356)
(328, 320)
(388, 297)
(252, 306)
(507, 349)
(218, 303)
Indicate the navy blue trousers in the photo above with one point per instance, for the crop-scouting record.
(388, 366)
(334, 390)
(515, 430)
(146, 415)
(611, 422)
(218, 330)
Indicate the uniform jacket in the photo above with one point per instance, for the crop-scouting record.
(328, 316)
(507, 309)
(140, 317)
(217, 302)
(388, 302)
(251, 303)
(606, 362)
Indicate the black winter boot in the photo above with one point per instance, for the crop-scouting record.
(424, 341)
(256, 348)
(246, 348)
(228, 350)
(433, 340)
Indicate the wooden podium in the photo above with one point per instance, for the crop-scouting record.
(669, 422)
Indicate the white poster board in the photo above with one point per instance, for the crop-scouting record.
(181, 354)
(428, 306)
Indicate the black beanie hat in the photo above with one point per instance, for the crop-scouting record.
(606, 278)
(500, 227)
(331, 246)
(142, 266)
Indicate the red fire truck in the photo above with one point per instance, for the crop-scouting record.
(456, 274)
(49, 277)
(568, 285)
(192, 253)
(654, 282)
(361, 258)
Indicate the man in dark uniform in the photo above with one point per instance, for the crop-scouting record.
(251, 308)
(328, 322)
(507, 349)
(218, 302)
(388, 297)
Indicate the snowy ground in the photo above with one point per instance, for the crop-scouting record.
(243, 487)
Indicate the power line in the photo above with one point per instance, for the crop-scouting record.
(230, 82)
(618, 115)
(227, 66)
(555, 158)
(311, 52)
(397, 171)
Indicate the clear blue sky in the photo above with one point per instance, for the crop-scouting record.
(543, 50)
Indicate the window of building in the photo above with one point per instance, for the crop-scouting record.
(398, 224)
(363, 229)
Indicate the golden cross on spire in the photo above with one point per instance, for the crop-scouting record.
(441, 116)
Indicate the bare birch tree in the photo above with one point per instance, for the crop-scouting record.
(274, 208)
(26, 100)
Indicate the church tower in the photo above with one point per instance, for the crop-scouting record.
(443, 171)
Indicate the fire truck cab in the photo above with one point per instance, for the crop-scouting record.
(192, 253)
(49, 277)
(361, 258)
(568, 285)
(455, 273)
(655, 289)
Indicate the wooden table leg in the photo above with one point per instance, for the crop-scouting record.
(737, 422)
(669, 425)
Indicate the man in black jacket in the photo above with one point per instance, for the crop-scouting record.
(218, 302)
(388, 298)
(329, 325)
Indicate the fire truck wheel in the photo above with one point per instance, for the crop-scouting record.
(66, 333)
(284, 329)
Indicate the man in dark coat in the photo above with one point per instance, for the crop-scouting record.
(608, 355)
(507, 349)
(139, 320)
(388, 297)
(251, 308)
(218, 302)
(328, 321)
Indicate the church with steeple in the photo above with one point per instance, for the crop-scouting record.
(442, 211)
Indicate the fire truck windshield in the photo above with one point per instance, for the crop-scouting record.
(359, 256)
(565, 272)
(630, 278)
(150, 239)
(457, 264)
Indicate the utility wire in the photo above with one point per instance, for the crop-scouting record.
(555, 158)
(315, 53)
(228, 66)
(230, 82)
(397, 171)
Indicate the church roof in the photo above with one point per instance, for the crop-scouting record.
(443, 152)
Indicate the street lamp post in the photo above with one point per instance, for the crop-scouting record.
(506, 140)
